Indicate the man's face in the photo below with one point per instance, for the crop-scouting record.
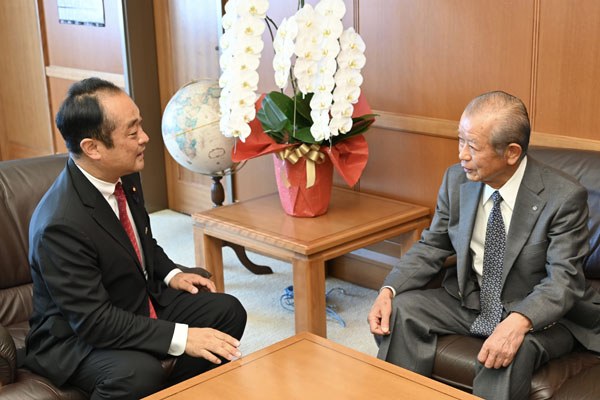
(129, 139)
(478, 158)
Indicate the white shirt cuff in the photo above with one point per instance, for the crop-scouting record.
(391, 288)
(170, 276)
(179, 340)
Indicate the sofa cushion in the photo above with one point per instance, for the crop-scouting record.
(16, 304)
(455, 365)
(31, 386)
(585, 167)
(585, 382)
(551, 377)
(22, 185)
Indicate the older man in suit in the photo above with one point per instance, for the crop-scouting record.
(519, 231)
(108, 302)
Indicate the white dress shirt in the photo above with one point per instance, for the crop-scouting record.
(509, 193)
(107, 190)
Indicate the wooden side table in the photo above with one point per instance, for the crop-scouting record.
(354, 220)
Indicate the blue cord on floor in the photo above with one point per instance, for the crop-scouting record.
(287, 302)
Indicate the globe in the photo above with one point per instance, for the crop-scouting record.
(190, 129)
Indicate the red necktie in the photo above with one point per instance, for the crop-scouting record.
(126, 223)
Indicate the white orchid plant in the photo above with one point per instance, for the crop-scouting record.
(313, 53)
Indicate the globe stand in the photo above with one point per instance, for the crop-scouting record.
(217, 195)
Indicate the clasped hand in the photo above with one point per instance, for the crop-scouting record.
(500, 348)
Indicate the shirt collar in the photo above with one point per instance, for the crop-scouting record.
(105, 188)
(510, 189)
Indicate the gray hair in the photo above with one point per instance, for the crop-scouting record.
(513, 121)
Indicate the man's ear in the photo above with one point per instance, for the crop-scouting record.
(513, 153)
(89, 147)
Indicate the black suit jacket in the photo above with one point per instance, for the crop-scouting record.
(88, 288)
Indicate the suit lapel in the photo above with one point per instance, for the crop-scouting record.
(100, 210)
(470, 192)
(528, 207)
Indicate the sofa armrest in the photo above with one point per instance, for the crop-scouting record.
(8, 357)
(199, 271)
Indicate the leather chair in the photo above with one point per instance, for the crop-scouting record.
(576, 375)
(22, 185)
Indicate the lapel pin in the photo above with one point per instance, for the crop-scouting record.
(146, 231)
(534, 208)
(134, 194)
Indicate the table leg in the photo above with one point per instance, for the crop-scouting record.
(213, 260)
(309, 295)
(240, 252)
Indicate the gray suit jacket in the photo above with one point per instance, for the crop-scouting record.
(546, 245)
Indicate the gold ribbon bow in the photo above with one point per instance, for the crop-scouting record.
(293, 154)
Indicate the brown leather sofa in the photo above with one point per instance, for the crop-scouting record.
(22, 185)
(577, 375)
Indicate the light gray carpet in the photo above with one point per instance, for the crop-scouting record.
(268, 322)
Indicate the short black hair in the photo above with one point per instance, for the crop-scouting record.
(81, 116)
(513, 126)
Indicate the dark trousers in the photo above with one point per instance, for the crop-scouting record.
(419, 316)
(131, 374)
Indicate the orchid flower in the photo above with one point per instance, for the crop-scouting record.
(284, 49)
(242, 45)
(348, 80)
(327, 63)
(254, 8)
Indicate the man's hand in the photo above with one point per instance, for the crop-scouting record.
(379, 316)
(500, 347)
(186, 281)
(209, 343)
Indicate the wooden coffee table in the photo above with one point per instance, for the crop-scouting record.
(354, 220)
(307, 366)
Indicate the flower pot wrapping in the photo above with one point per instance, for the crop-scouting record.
(296, 198)
(348, 156)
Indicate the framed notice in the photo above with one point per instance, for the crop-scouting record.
(81, 12)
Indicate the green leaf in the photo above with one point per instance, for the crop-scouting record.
(360, 125)
(274, 115)
(364, 117)
(304, 135)
(286, 105)
(268, 127)
(303, 106)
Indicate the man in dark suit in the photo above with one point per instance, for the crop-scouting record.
(109, 304)
(519, 232)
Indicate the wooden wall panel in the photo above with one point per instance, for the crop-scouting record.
(427, 59)
(430, 57)
(187, 33)
(407, 166)
(24, 112)
(75, 52)
(568, 80)
(71, 45)
(60, 87)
